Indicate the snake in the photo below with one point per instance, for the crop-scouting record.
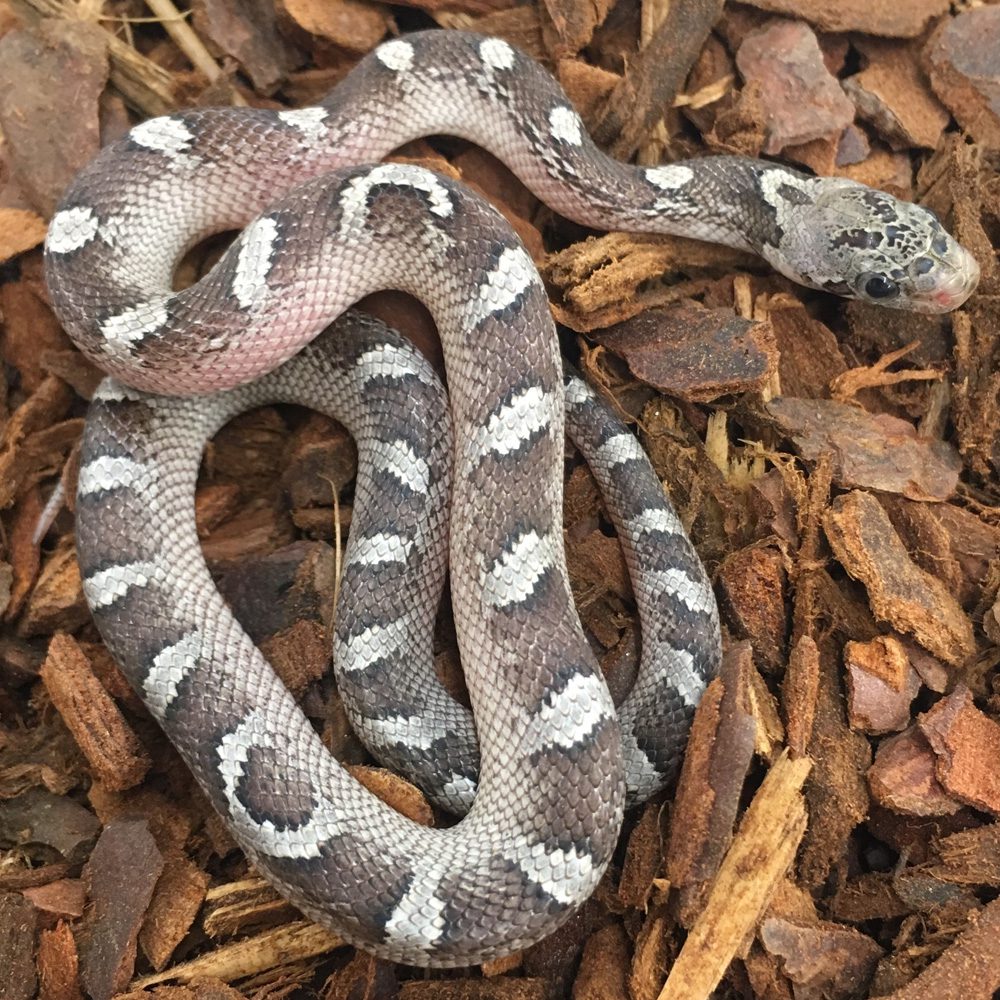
(322, 223)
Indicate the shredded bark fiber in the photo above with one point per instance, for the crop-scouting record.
(834, 832)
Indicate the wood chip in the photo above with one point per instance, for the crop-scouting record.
(970, 968)
(801, 99)
(17, 942)
(177, 898)
(904, 777)
(695, 354)
(719, 752)
(62, 899)
(964, 62)
(121, 875)
(58, 964)
(20, 230)
(51, 79)
(823, 958)
(108, 742)
(603, 968)
(874, 17)
(900, 592)
(753, 586)
(967, 746)
(38, 816)
(761, 853)
(293, 941)
(881, 683)
(873, 452)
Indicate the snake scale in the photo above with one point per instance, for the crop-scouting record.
(321, 227)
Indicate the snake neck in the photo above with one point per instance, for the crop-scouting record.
(485, 91)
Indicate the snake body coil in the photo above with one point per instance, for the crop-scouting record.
(554, 762)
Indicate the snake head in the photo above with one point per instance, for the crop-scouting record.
(855, 241)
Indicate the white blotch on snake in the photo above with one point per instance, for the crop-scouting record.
(515, 574)
(71, 229)
(509, 428)
(565, 125)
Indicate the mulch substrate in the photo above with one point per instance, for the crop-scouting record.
(834, 834)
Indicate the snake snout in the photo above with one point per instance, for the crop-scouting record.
(954, 280)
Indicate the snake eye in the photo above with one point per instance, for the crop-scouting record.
(877, 286)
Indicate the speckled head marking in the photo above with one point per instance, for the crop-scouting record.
(865, 244)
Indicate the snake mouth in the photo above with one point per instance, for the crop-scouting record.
(953, 288)
(952, 293)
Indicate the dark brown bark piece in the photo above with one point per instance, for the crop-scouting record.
(597, 566)
(967, 745)
(881, 683)
(39, 817)
(653, 954)
(121, 876)
(24, 553)
(51, 77)
(719, 752)
(26, 878)
(655, 76)
(836, 794)
(643, 859)
(963, 58)
(17, 945)
(300, 654)
(867, 546)
(322, 461)
(969, 857)
(800, 692)
(870, 896)
(56, 601)
(801, 99)
(569, 27)
(322, 25)
(969, 968)
(695, 354)
(271, 593)
(904, 778)
(826, 959)
(247, 31)
(753, 590)
(809, 354)
(954, 544)
(61, 899)
(110, 745)
(30, 330)
(33, 444)
(364, 977)
(870, 451)
(892, 93)
(603, 971)
(873, 17)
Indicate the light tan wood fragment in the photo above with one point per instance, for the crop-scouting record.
(281, 946)
(758, 859)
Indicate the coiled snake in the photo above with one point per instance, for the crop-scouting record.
(554, 761)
